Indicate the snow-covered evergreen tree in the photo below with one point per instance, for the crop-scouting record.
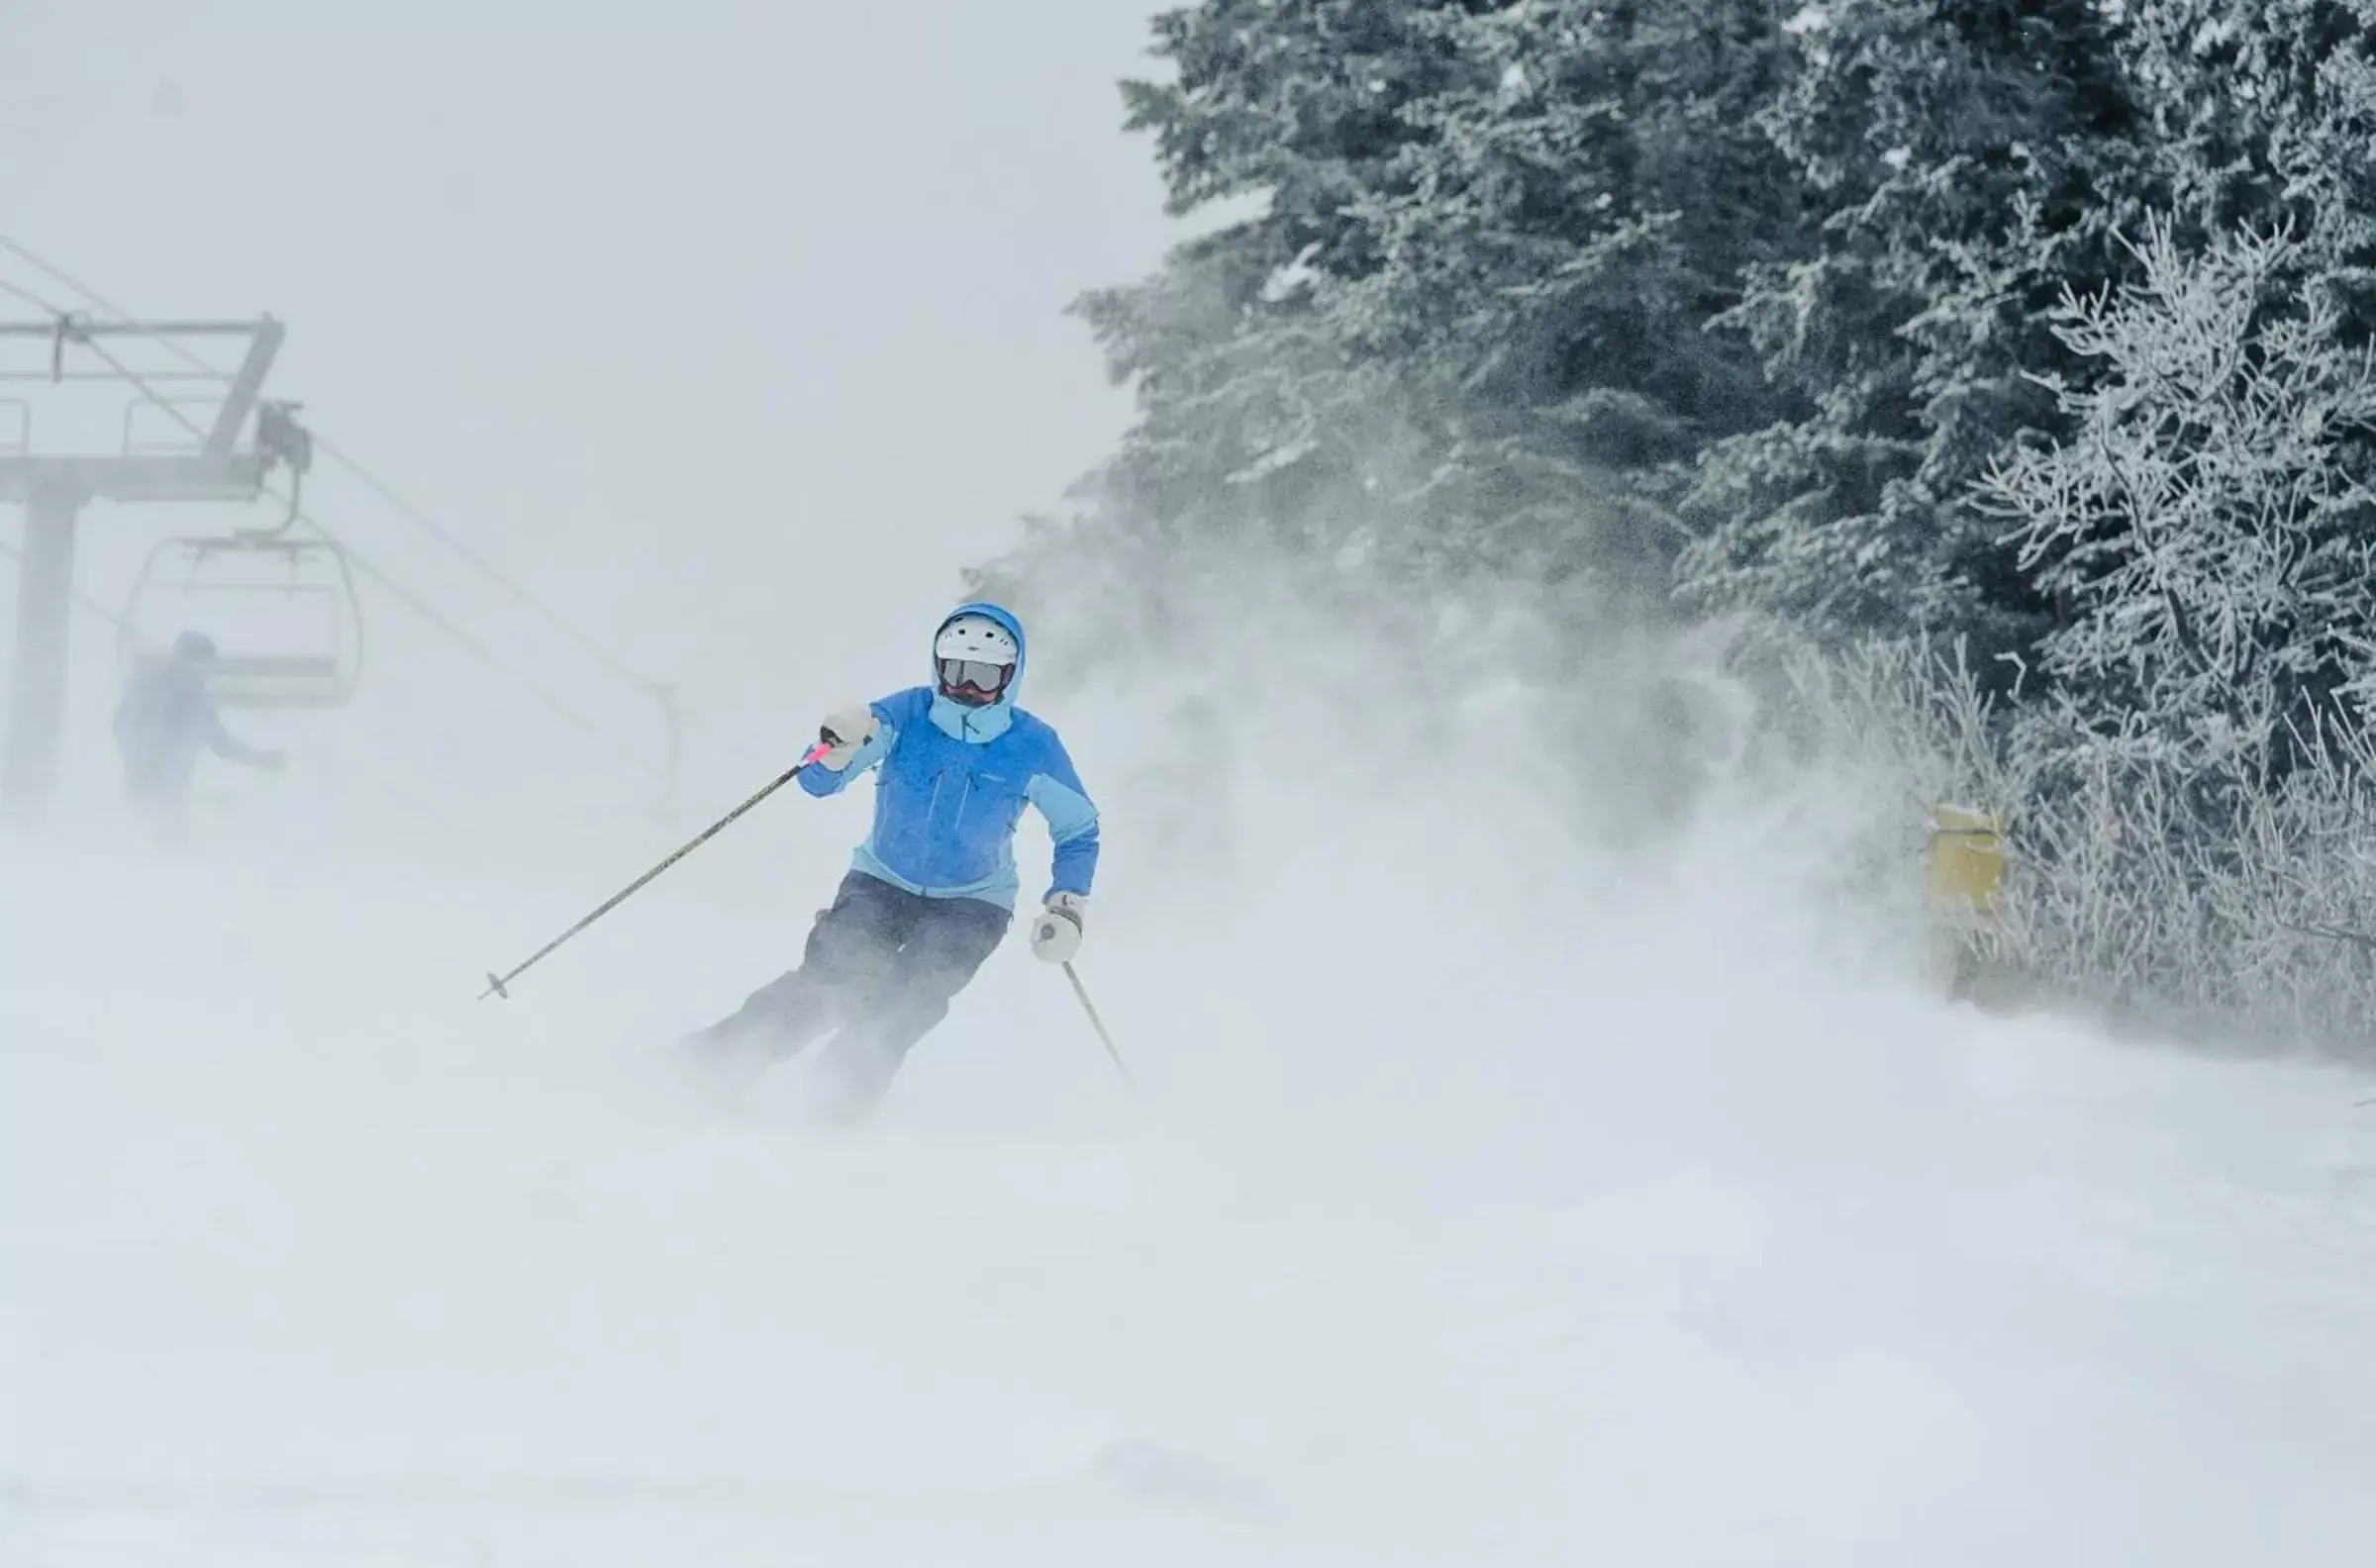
(1967, 163)
(1463, 331)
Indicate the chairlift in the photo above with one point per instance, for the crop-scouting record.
(283, 613)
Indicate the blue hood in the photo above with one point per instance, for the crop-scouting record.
(979, 726)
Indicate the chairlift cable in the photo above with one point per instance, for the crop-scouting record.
(30, 298)
(411, 601)
(479, 563)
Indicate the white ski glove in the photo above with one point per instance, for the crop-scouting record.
(847, 730)
(1056, 934)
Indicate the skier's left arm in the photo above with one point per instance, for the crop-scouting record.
(1055, 791)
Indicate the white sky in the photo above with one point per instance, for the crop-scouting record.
(735, 327)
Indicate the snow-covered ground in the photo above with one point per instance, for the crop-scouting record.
(1447, 1229)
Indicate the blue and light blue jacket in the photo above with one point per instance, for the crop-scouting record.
(953, 784)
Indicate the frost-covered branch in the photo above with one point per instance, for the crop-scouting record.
(2206, 526)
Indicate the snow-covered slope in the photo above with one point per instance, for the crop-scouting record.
(1444, 1232)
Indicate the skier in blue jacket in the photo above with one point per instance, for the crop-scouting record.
(930, 892)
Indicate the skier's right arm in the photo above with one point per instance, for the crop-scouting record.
(867, 736)
(230, 749)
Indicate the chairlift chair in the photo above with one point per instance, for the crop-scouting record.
(282, 612)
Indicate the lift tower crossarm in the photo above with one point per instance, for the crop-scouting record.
(157, 478)
(264, 335)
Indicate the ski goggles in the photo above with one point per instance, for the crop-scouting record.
(976, 674)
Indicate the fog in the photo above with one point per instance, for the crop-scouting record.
(735, 334)
(1498, 1188)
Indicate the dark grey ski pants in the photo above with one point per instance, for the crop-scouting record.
(879, 970)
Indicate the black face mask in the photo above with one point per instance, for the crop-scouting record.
(974, 682)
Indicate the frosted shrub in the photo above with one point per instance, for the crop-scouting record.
(2205, 530)
(2116, 897)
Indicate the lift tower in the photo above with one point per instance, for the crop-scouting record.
(53, 490)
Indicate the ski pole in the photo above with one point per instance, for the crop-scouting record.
(498, 985)
(1099, 1025)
